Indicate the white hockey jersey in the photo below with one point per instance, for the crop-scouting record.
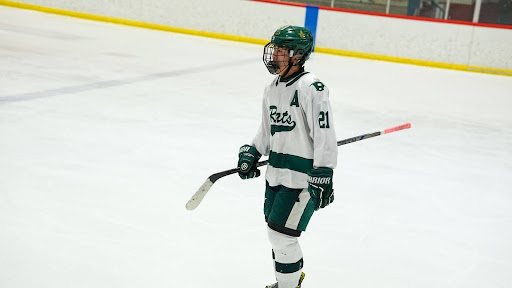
(297, 130)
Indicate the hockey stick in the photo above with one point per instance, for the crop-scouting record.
(196, 199)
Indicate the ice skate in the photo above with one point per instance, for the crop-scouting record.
(298, 286)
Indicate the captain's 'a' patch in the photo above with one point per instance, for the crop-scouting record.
(295, 100)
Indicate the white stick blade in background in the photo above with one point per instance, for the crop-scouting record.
(196, 199)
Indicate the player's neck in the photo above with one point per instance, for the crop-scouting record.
(294, 71)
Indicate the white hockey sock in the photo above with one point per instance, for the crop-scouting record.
(287, 258)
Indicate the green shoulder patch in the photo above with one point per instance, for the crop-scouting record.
(319, 86)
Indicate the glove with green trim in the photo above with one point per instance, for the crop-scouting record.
(320, 186)
(248, 156)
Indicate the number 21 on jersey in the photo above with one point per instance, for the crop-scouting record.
(323, 120)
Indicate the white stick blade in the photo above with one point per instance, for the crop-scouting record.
(196, 199)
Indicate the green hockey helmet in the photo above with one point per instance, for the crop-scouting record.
(298, 40)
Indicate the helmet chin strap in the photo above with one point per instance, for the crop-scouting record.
(290, 63)
(288, 68)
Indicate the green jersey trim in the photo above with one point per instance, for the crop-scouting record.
(291, 162)
(296, 78)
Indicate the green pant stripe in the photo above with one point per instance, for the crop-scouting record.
(292, 162)
(289, 267)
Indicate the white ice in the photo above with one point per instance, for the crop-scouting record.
(107, 130)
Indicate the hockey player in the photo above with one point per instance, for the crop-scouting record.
(297, 133)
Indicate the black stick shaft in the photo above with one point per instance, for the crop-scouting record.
(217, 176)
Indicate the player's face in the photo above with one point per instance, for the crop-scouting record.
(282, 57)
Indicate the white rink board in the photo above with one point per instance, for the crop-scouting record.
(422, 40)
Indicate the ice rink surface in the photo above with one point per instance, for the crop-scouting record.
(107, 130)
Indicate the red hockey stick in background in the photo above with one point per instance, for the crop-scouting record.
(196, 199)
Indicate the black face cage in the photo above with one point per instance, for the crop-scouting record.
(268, 52)
(271, 63)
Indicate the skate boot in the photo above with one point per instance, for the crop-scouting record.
(298, 286)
